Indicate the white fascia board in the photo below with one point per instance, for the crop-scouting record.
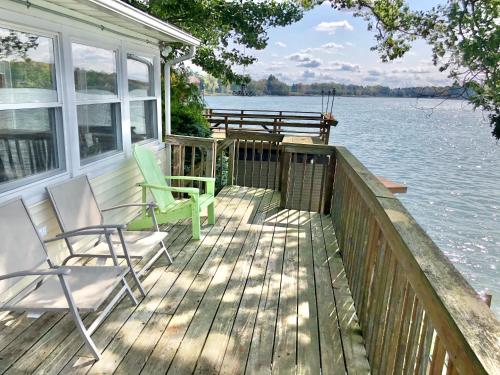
(137, 15)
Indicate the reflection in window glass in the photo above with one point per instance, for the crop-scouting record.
(95, 72)
(98, 129)
(140, 76)
(27, 71)
(28, 142)
(143, 120)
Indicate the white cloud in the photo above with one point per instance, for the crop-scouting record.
(276, 65)
(305, 60)
(416, 70)
(332, 45)
(349, 44)
(308, 74)
(375, 72)
(280, 44)
(341, 66)
(331, 27)
(312, 63)
(300, 57)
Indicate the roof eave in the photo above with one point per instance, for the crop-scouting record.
(126, 10)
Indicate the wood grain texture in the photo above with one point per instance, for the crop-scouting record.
(411, 299)
(263, 282)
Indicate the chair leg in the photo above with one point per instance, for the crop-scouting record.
(78, 320)
(195, 222)
(162, 244)
(211, 213)
(129, 291)
(129, 263)
(86, 337)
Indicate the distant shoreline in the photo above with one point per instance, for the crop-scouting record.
(341, 96)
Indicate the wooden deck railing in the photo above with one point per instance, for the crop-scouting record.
(307, 177)
(192, 156)
(417, 313)
(314, 124)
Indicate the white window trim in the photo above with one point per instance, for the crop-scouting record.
(154, 142)
(8, 187)
(64, 33)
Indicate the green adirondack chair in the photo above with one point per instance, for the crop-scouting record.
(168, 208)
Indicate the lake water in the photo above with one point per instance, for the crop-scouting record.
(444, 153)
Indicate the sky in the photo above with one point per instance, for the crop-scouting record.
(333, 46)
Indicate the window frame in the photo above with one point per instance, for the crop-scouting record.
(59, 107)
(156, 91)
(118, 99)
(66, 30)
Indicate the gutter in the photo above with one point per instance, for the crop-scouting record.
(187, 56)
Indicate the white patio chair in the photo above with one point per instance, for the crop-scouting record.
(47, 288)
(76, 208)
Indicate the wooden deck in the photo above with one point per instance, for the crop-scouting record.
(263, 291)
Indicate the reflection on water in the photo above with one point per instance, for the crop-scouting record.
(445, 155)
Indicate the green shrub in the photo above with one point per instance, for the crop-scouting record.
(187, 107)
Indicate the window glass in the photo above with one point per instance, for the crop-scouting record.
(28, 142)
(140, 76)
(143, 120)
(98, 129)
(27, 69)
(95, 72)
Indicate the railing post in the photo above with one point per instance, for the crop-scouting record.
(211, 160)
(230, 164)
(284, 177)
(330, 177)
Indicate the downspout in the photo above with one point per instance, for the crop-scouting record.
(168, 123)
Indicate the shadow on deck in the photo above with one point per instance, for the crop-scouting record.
(263, 291)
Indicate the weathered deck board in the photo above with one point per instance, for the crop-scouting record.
(262, 292)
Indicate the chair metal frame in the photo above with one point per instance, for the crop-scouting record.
(94, 230)
(61, 273)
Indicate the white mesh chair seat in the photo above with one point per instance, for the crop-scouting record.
(139, 244)
(90, 286)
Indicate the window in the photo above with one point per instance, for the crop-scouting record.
(98, 104)
(143, 120)
(30, 111)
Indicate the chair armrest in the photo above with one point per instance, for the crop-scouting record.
(148, 205)
(209, 181)
(50, 271)
(188, 190)
(190, 178)
(88, 231)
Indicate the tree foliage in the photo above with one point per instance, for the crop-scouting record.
(273, 86)
(226, 28)
(464, 36)
(16, 45)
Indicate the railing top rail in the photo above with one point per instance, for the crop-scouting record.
(468, 328)
(315, 149)
(185, 140)
(253, 135)
(269, 123)
(270, 116)
(213, 110)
